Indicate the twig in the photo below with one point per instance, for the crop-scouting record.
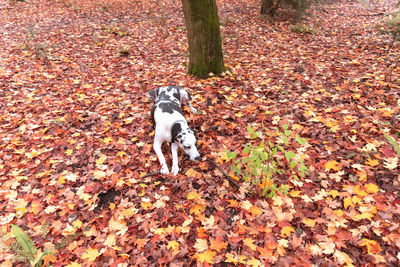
(233, 182)
(151, 174)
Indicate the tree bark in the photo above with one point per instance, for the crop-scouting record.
(268, 7)
(204, 37)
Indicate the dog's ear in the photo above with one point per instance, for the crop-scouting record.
(175, 130)
(184, 96)
(152, 94)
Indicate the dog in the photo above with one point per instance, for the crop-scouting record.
(171, 126)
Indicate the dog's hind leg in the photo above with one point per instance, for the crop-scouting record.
(174, 152)
(161, 158)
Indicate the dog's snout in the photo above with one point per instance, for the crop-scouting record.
(197, 158)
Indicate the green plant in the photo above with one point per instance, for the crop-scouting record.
(25, 249)
(261, 161)
(32, 44)
(302, 28)
(392, 142)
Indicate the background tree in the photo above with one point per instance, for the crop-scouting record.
(204, 37)
(269, 7)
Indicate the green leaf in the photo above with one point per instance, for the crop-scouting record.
(392, 142)
(289, 154)
(300, 140)
(28, 249)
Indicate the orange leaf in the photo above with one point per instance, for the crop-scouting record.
(218, 244)
(49, 258)
(197, 209)
(373, 247)
(140, 243)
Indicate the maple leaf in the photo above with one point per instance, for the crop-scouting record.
(110, 240)
(91, 254)
(373, 246)
(206, 256)
(286, 231)
(254, 262)
(372, 162)
(218, 244)
(391, 163)
(201, 245)
(372, 188)
(140, 243)
(193, 195)
(174, 245)
(49, 258)
(332, 165)
(250, 243)
(235, 259)
(197, 209)
(348, 202)
(73, 264)
(343, 258)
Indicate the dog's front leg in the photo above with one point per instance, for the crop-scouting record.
(157, 148)
(174, 152)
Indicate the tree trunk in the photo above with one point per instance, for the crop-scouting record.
(204, 37)
(268, 7)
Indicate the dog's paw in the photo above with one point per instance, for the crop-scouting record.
(175, 170)
(164, 169)
(193, 110)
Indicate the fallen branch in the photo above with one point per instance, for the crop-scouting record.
(233, 182)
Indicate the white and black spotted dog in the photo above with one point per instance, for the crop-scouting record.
(171, 125)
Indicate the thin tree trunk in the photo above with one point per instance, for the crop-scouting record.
(204, 37)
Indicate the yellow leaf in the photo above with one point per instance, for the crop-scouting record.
(254, 262)
(173, 245)
(193, 195)
(97, 174)
(146, 205)
(359, 191)
(108, 140)
(68, 152)
(206, 256)
(233, 258)
(372, 162)
(77, 224)
(294, 193)
(110, 240)
(334, 193)
(333, 165)
(90, 254)
(197, 209)
(73, 264)
(286, 231)
(201, 245)
(193, 173)
(309, 222)
(372, 188)
(121, 154)
(250, 243)
(348, 202)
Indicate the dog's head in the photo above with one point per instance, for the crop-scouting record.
(168, 93)
(186, 140)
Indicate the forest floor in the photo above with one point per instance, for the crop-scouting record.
(76, 136)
